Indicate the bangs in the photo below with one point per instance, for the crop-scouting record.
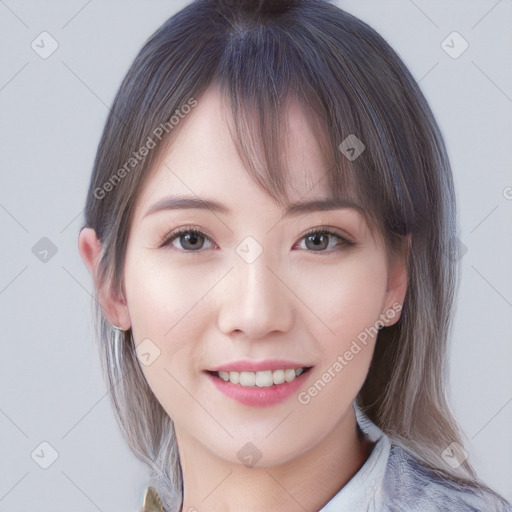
(260, 73)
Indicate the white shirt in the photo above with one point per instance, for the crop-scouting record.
(363, 491)
(392, 480)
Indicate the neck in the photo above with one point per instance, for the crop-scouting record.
(307, 481)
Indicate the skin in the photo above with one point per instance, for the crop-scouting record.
(292, 302)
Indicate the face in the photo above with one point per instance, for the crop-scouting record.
(244, 286)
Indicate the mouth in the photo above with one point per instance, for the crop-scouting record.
(262, 378)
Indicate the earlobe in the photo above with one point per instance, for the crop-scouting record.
(114, 306)
(397, 283)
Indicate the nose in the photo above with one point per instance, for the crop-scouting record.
(256, 301)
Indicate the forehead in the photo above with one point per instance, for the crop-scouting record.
(203, 159)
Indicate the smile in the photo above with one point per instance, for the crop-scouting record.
(262, 379)
(261, 387)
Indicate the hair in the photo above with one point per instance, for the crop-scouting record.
(350, 81)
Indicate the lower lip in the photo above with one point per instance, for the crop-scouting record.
(255, 396)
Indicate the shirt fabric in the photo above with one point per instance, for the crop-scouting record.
(392, 480)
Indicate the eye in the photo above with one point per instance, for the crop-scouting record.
(324, 240)
(192, 240)
(188, 240)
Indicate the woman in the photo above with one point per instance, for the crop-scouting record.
(271, 229)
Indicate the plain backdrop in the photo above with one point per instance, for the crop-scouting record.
(52, 113)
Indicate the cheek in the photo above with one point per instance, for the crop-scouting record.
(169, 305)
(348, 301)
(164, 299)
(347, 298)
(166, 307)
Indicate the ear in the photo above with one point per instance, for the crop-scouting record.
(398, 279)
(114, 306)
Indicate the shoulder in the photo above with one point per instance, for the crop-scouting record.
(409, 484)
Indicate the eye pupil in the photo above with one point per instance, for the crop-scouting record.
(191, 238)
(317, 243)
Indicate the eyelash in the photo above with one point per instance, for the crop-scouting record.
(326, 230)
(320, 230)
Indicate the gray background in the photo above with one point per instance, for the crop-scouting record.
(52, 115)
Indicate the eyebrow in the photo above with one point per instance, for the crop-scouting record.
(292, 210)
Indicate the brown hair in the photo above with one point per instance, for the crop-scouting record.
(261, 53)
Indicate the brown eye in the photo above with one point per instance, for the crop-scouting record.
(188, 240)
(191, 241)
(317, 241)
(324, 240)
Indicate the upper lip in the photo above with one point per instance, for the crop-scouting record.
(255, 366)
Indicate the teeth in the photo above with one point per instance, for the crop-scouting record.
(261, 379)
